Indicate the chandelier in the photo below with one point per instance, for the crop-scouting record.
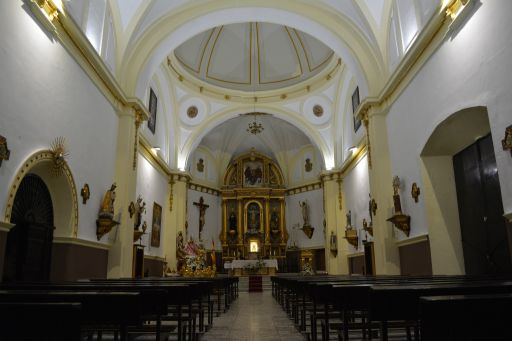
(255, 127)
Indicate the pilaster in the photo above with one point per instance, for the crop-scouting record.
(176, 217)
(387, 259)
(335, 264)
(120, 255)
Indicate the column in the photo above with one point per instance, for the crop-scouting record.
(387, 259)
(333, 217)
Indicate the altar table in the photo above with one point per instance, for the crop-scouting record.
(239, 267)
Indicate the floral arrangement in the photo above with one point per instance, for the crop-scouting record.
(254, 268)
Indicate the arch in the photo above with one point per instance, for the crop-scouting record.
(174, 29)
(62, 190)
(448, 137)
(294, 119)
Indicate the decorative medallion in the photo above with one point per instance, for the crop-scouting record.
(200, 165)
(506, 142)
(318, 110)
(85, 193)
(308, 166)
(4, 151)
(192, 111)
(58, 149)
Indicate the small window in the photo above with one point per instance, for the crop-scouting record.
(355, 105)
(152, 110)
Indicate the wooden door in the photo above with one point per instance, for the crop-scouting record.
(483, 229)
(29, 243)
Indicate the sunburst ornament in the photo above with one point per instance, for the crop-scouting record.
(59, 151)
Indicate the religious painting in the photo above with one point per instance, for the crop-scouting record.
(253, 174)
(152, 110)
(355, 105)
(156, 227)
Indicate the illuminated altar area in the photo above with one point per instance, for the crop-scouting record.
(253, 216)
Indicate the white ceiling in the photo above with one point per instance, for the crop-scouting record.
(232, 137)
(253, 56)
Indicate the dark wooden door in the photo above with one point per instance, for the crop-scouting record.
(29, 243)
(483, 229)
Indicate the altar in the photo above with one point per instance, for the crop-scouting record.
(240, 267)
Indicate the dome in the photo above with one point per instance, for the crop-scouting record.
(253, 56)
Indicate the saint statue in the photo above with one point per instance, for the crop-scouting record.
(349, 219)
(232, 221)
(274, 219)
(305, 212)
(137, 209)
(107, 205)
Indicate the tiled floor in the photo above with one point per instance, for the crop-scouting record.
(253, 317)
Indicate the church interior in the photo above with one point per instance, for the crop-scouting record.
(166, 156)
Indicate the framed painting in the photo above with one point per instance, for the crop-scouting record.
(253, 174)
(355, 104)
(156, 226)
(153, 101)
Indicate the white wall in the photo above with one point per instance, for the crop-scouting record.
(356, 185)
(213, 218)
(294, 221)
(471, 68)
(153, 187)
(45, 94)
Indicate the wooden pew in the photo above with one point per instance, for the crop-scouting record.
(99, 310)
(466, 317)
(401, 302)
(23, 321)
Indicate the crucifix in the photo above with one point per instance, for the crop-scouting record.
(202, 209)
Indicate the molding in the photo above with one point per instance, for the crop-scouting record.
(508, 216)
(203, 188)
(304, 188)
(155, 258)
(427, 43)
(5, 226)
(81, 242)
(414, 240)
(217, 92)
(356, 254)
(27, 165)
(66, 30)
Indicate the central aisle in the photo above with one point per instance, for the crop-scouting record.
(253, 317)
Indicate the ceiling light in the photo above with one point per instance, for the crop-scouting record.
(155, 150)
(255, 127)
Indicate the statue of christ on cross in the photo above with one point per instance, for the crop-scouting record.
(202, 209)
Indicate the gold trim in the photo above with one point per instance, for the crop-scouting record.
(304, 188)
(207, 74)
(240, 96)
(412, 240)
(259, 59)
(30, 163)
(202, 54)
(81, 242)
(203, 188)
(306, 54)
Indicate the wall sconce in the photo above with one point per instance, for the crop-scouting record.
(507, 141)
(155, 150)
(4, 151)
(352, 150)
(454, 7)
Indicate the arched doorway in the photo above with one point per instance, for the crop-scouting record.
(29, 243)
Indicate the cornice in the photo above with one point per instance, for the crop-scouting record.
(203, 188)
(429, 39)
(305, 188)
(306, 87)
(413, 240)
(81, 242)
(65, 29)
(5, 226)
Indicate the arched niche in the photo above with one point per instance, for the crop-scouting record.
(449, 137)
(62, 190)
